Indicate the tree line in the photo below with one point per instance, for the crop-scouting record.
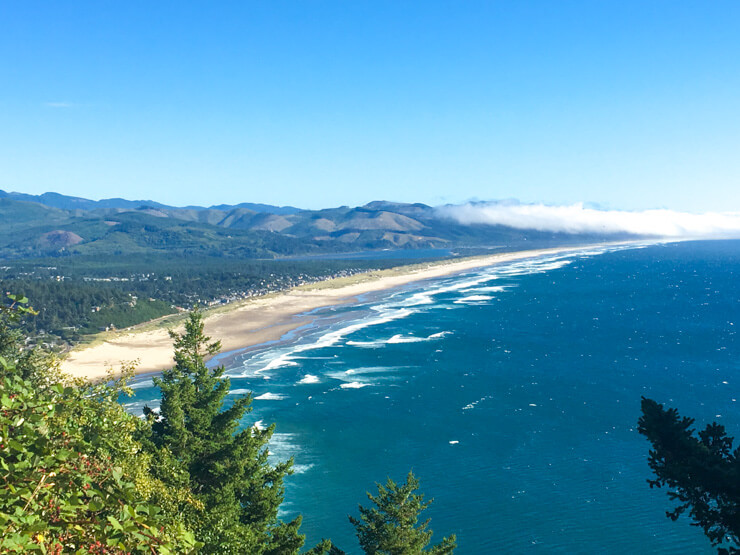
(78, 296)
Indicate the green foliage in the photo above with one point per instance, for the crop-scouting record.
(702, 472)
(125, 314)
(392, 527)
(13, 357)
(66, 455)
(228, 470)
(325, 547)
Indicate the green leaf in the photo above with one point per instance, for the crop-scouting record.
(16, 445)
(64, 454)
(114, 522)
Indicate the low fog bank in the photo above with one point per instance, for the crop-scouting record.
(576, 218)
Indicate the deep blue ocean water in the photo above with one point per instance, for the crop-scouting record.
(512, 392)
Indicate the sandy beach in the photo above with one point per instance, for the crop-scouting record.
(261, 319)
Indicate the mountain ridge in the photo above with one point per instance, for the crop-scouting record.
(30, 226)
(58, 200)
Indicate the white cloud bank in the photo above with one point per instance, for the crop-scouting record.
(576, 218)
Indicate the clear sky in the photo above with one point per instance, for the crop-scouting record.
(629, 105)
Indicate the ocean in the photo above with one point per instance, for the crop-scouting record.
(513, 394)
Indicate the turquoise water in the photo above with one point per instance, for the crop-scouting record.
(512, 392)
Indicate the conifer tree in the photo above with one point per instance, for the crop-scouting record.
(228, 469)
(392, 526)
(701, 472)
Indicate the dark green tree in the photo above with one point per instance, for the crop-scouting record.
(701, 472)
(228, 469)
(392, 527)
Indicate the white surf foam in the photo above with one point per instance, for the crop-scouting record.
(282, 446)
(396, 339)
(308, 379)
(535, 266)
(488, 289)
(418, 299)
(368, 370)
(239, 391)
(368, 344)
(364, 376)
(301, 468)
(143, 384)
(273, 360)
(354, 385)
(473, 299)
(472, 405)
(399, 338)
(270, 397)
(282, 361)
(462, 285)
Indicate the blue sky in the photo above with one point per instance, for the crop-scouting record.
(629, 105)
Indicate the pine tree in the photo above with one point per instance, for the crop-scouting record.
(392, 528)
(228, 469)
(702, 473)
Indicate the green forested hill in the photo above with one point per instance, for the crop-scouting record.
(30, 229)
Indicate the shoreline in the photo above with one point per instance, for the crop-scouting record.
(252, 322)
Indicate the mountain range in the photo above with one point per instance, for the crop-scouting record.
(52, 224)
